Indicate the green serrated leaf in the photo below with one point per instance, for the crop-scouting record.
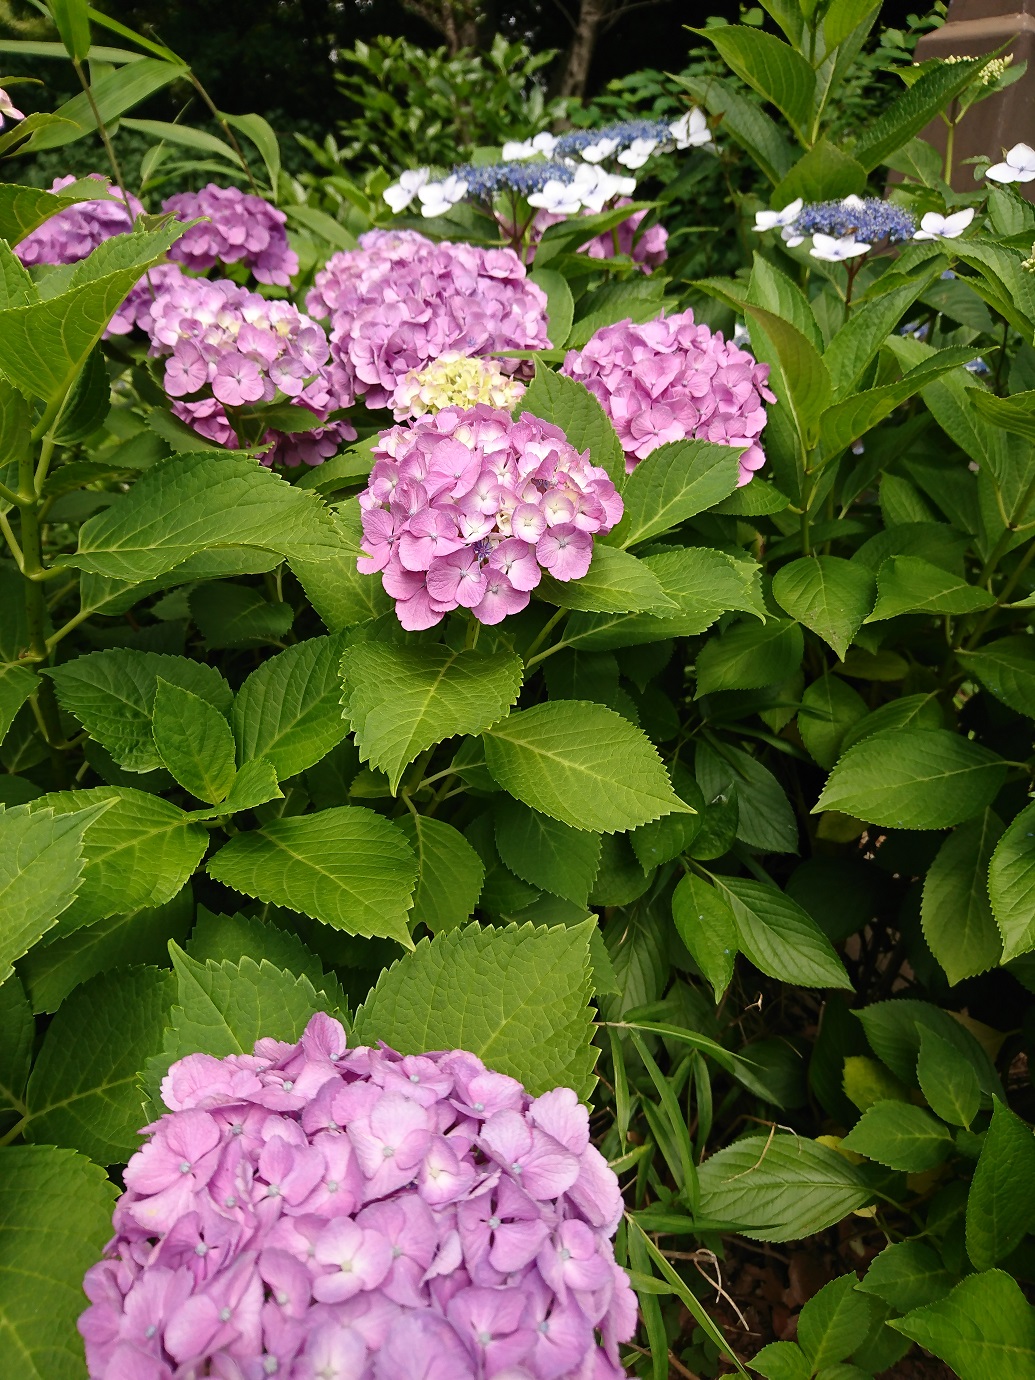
(402, 700)
(779, 937)
(834, 1322)
(949, 1083)
(17, 1036)
(984, 1329)
(194, 741)
(1001, 1201)
(288, 711)
(255, 783)
(706, 926)
(549, 855)
(230, 615)
(571, 406)
(450, 874)
(828, 594)
(616, 582)
(348, 867)
(747, 657)
(1006, 668)
(1011, 885)
(581, 764)
(766, 820)
(675, 482)
(517, 997)
(907, 584)
(907, 1275)
(17, 683)
(829, 708)
(900, 1136)
(955, 912)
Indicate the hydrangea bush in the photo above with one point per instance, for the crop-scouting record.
(514, 769)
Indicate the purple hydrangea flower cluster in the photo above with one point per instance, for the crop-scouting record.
(238, 228)
(401, 300)
(312, 1212)
(671, 379)
(76, 231)
(866, 219)
(243, 351)
(467, 507)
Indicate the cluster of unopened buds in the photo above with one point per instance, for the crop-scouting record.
(673, 379)
(311, 1212)
(564, 174)
(243, 351)
(466, 508)
(455, 380)
(850, 227)
(400, 301)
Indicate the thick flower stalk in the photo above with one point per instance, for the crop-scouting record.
(671, 379)
(235, 227)
(466, 509)
(401, 300)
(311, 1211)
(238, 351)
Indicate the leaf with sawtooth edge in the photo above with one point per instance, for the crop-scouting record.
(984, 1329)
(450, 873)
(195, 742)
(544, 852)
(288, 710)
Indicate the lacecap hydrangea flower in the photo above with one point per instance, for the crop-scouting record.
(455, 380)
(243, 350)
(846, 229)
(400, 301)
(236, 228)
(670, 379)
(312, 1212)
(466, 508)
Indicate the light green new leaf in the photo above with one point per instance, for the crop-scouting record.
(782, 1361)
(194, 741)
(1011, 885)
(255, 783)
(83, 1090)
(675, 482)
(44, 344)
(949, 1083)
(779, 937)
(775, 70)
(288, 711)
(112, 694)
(55, 1216)
(517, 997)
(196, 502)
(955, 911)
(41, 868)
(17, 683)
(570, 405)
(909, 584)
(747, 656)
(582, 764)
(544, 852)
(139, 852)
(1001, 1201)
(616, 582)
(914, 779)
(834, 1322)
(348, 867)
(450, 874)
(907, 1275)
(780, 1187)
(983, 1330)
(706, 926)
(900, 1136)
(828, 594)
(402, 700)
(1006, 668)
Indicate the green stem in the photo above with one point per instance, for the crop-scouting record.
(231, 137)
(950, 144)
(544, 633)
(109, 148)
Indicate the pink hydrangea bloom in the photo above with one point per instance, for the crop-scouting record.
(466, 507)
(77, 231)
(311, 1211)
(237, 228)
(670, 379)
(401, 300)
(242, 349)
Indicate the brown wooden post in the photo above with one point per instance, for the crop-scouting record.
(976, 27)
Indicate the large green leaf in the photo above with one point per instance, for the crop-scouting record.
(829, 708)
(775, 70)
(197, 502)
(1001, 1201)
(828, 594)
(673, 483)
(112, 694)
(83, 1090)
(805, 376)
(288, 711)
(743, 121)
(72, 18)
(780, 1187)
(780, 938)
(41, 869)
(139, 852)
(1011, 885)
(705, 924)
(402, 700)
(949, 1083)
(766, 820)
(582, 764)
(908, 584)
(895, 1031)
(956, 914)
(834, 1322)
(517, 997)
(1006, 668)
(900, 1136)
(44, 344)
(616, 582)
(348, 867)
(856, 344)
(17, 683)
(22, 209)
(115, 93)
(450, 874)
(546, 853)
(914, 779)
(570, 405)
(748, 656)
(335, 588)
(857, 414)
(911, 111)
(907, 1275)
(983, 1330)
(194, 741)
(55, 1216)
